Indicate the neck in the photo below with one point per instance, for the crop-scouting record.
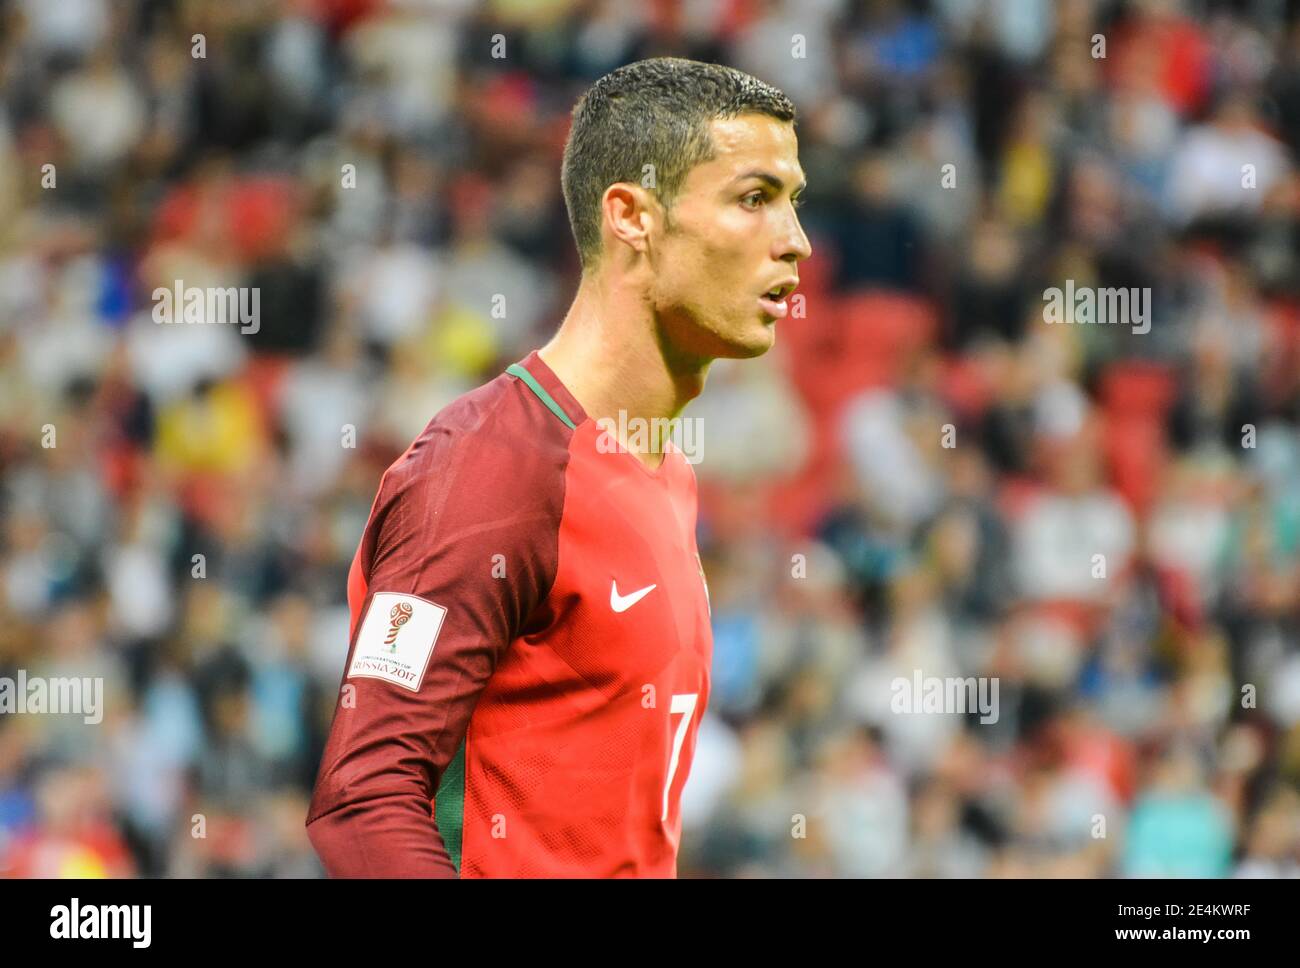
(610, 355)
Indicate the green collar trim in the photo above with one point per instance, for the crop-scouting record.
(514, 369)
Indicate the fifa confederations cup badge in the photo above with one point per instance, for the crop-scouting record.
(399, 615)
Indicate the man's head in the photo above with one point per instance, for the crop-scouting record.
(680, 179)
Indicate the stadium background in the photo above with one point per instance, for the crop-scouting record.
(1119, 697)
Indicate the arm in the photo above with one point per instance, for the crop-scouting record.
(432, 615)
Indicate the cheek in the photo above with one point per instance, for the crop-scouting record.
(725, 268)
(713, 267)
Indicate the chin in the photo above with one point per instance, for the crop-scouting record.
(742, 340)
(733, 349)
(755, 342)
(752, 350)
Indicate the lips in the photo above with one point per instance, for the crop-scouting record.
(774, 300)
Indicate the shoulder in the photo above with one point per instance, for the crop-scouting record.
(493, 453)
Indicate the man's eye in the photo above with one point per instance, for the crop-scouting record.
(798, 202)
(755, 197)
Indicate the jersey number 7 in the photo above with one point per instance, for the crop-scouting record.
(683, 702)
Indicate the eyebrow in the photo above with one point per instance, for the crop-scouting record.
(771, 180)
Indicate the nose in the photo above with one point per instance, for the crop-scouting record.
(793, 245)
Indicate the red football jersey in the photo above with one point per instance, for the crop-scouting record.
(530, 652)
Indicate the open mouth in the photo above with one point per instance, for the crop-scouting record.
(775, 302)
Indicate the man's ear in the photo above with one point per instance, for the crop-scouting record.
(629, 212)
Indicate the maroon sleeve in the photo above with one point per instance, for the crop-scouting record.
(485, 479)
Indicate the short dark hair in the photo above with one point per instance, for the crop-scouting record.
(655, 112)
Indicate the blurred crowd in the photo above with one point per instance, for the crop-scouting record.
(923, 475)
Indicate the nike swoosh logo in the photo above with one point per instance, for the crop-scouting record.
(621, 603)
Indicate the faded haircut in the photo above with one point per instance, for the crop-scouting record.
(652, 112)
